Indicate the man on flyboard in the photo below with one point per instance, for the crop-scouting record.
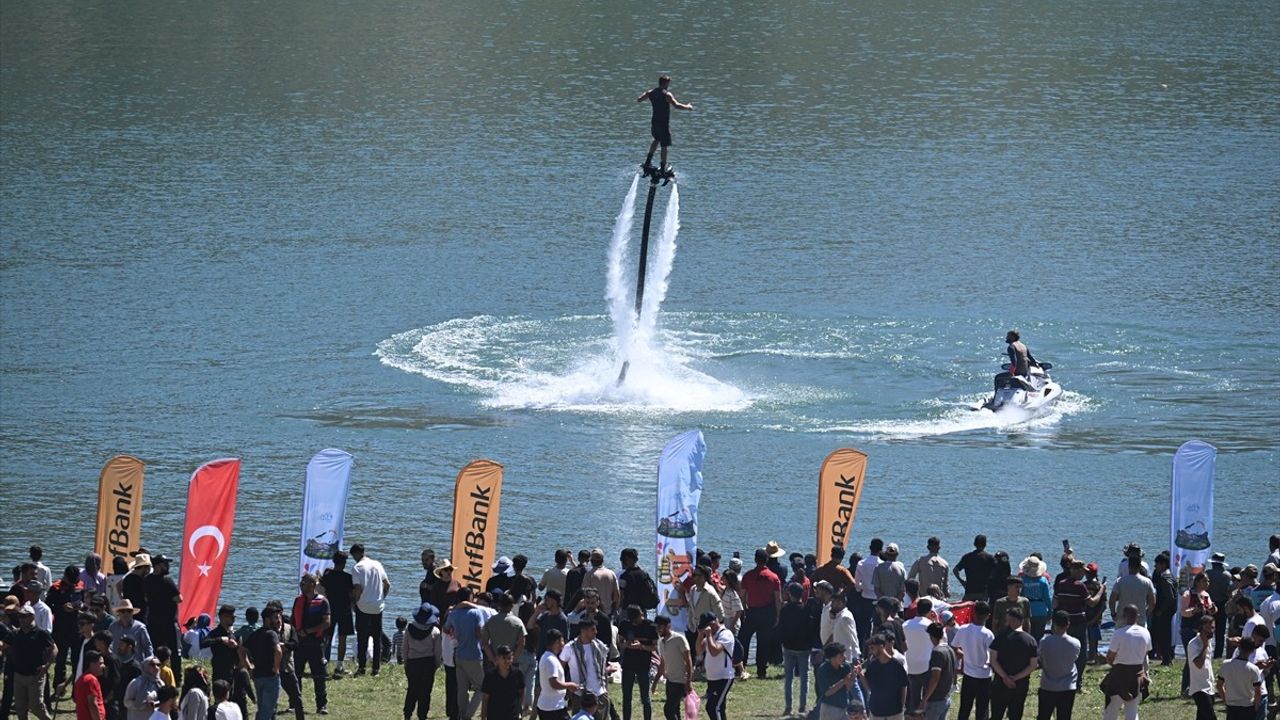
(662, 101)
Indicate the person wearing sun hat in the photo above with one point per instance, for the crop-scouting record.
(133, 585)
(1035, 588)
(422, 653)
(127, 625)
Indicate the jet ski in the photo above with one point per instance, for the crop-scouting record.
(1030, 395)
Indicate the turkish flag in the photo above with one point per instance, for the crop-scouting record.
(211, 512)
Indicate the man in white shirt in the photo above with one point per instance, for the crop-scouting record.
(1240, 683)
(1200, 667)
(715, 643)
(1133, 589)
(43, 573)
(919, 650)
(32, 592)
(973, 641)
(553, 699)
(1128, 659)
(371, 587)
(844, 629)
(864, 605)
(554, 578)
(586, 659)
(1134, 551)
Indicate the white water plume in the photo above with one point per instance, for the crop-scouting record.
(616, 284)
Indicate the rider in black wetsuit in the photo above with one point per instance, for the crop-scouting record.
(662, 101)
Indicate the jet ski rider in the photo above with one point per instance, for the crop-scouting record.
(1020, 362)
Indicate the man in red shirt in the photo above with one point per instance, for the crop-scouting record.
(88, 691)
(763, 605)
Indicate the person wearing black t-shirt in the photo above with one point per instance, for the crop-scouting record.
(162, 610)
(638, 640)
(338, 589)
(133, 587)
(264, 653)
(502, 691)
(1013, 659)
(222, 644)
(883, 678)
(978, 567)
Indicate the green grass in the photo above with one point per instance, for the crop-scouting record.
(382, 697)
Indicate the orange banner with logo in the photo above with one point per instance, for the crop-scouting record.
(839, 490)
(119, 530)
(476, 498)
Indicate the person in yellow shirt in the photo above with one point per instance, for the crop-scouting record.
(163, 654)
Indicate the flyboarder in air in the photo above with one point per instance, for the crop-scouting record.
(662, 101)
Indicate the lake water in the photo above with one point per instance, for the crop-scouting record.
(259, 230)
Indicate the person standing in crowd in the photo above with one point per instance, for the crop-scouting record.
(371, 586)
(890, 577)
(115, 581)
(1195, 605)
(92, 580)
(1013, 659)
(43, 573)
(1035, 588)
(635, 584)
(66, 602)
(605, 582)
(935, 701)
(133, 587)
(264, 654)
(81, 643)
(126, 625)
(1011, 599)
(503, 629)
(111, 678)
(731, 601)
(339, 590)
(552, 702)
(1240, 684)
(715, 645)
(796, 631)
(1071, 595)
(1219, 592)
(554, 577)
(465, 623)
(29, 652)
(930, 569)
(1200, 682)
(918, 651)
(977, 566)
(289, 682)
(140, 695)
(252, 621)
(500, 581)
(1059, 670)
(427, 586)
(835, 573)
(864, 609)
(1162, 612)
(834, 679)
(503, 688)
(33, 592)
(422, 652)
(702, 596)
(586, 662)
(764, 603)
(884, 680)
(222, 643)
(1122, 686)
(1133, 551)
(312, 616)
(973, 642)
(163, 599)
(1136, 589)
(638, 640)
(675, 664)
(574, 578)
(87, 695)
(224, 708)
(194, 704)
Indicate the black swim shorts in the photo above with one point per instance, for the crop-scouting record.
(662, 133)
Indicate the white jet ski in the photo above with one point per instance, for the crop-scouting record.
(1030, 395)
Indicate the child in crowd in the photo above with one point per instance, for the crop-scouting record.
(163, 654)
(166, 701)
(397, 640)
(250, 626)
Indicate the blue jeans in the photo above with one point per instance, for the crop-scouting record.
(268, 690)
(795, 663)
(937, 709)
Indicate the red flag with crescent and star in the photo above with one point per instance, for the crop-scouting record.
(211, 512)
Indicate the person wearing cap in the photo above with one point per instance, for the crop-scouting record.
(371, 586)
(586, 663)
(339, 590)
(32, 591)
(163, 598)
(716, 645)
(502, 574)
(127, 625)
(890, 577)
(140, 696)
(764, 603)
(931, 568)
(605, 582)
(503, 687)
(132, 586)
(638, 640)
(29, 652)
(1220, 584)
(1135, 589)
(422, 653)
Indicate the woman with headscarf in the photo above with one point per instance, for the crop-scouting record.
(1035, 588)
(198, 631)
(91, 577)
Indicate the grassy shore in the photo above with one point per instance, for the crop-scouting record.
(382, 697)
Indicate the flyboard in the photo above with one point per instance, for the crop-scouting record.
(655, 175)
